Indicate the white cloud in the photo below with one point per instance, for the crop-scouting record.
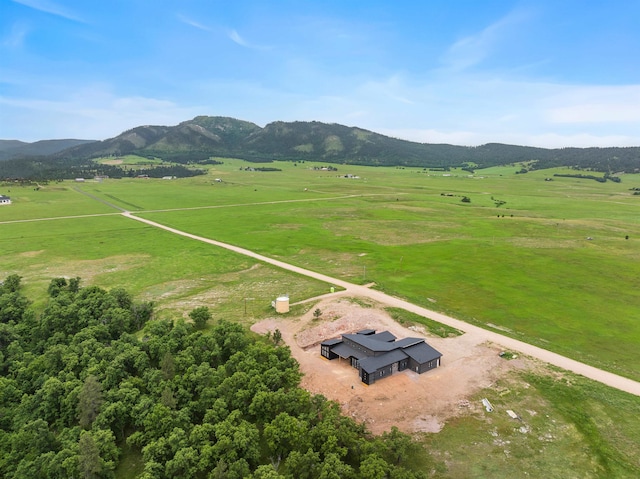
(544, 140)
(15, 38)
(51, 8)
(91, 113)
(473, 49)
(193, 23)
(466, 110)
(597, 104)
(236, 38)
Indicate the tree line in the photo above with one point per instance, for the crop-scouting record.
(94, 379)
(48, 169)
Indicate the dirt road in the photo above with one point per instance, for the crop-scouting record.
(477, 334)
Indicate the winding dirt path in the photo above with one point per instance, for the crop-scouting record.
(478, 334)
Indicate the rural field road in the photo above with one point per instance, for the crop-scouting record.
(482, 335)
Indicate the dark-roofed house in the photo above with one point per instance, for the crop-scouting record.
(377, 355)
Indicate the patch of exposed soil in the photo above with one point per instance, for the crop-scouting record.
(412, 402)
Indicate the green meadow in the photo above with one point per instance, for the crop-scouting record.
(175, 273)
(516, 258)
(547, 262)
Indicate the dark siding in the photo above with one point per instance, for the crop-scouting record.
(423, 368)
(327, 353)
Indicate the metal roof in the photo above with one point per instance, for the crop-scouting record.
(345, 351)
(372, 363)
(381, 346)
(385, 336)
(383, 342)
(406, 342)
(366, 332)
(422, 353)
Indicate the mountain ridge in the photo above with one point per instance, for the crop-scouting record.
(203, 137)
(16, 148)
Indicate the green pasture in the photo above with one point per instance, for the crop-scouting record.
(516, 257)
(48, 201)
(525, 267)
(567, 427)
(175, 273)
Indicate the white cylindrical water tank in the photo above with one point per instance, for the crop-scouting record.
(282, 304)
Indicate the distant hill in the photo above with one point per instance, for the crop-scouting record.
(196, 140)
(199, 138)
(10, 144)
(20, 149)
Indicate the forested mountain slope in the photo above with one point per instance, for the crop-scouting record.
(205, 136)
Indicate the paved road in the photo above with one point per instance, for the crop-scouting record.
(481, 335)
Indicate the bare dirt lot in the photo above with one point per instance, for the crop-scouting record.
(412, 402)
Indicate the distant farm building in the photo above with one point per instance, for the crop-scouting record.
(5, 200)
(378, 355)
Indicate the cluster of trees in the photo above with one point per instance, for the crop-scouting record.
(52, 169)
(181, 156)
(178, 171)
(599, 179)
(94, 379)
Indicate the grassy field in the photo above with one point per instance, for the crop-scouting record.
(515, 258)
(174, 272)
(567, 427)
(525, 266)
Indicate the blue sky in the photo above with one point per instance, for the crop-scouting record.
(549, 73)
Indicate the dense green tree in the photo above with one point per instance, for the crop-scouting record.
(303, 465)
(141, 313)
(89, 401)
(57, 285)
(200, 316)
(374, 467)
(285, 434)
(333, 468)
(193, 403)
(89, 461)
(13, 304)
(168, 366)
(11, 284)
(266, 472)
(399, 445)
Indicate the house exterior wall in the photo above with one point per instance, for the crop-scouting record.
(327, 353)
(359, 347)
(370, 378)
(423, 367)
